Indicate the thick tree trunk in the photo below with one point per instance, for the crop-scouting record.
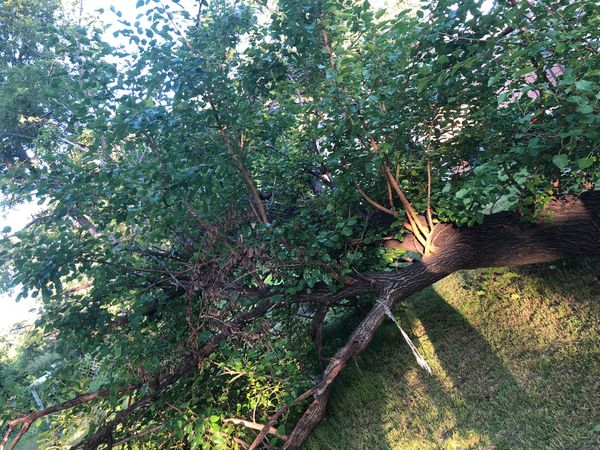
(569, 227)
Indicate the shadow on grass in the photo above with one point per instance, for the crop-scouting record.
(481, 393)
(385, 401)
(515, 387)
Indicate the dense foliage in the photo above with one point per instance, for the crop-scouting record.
(206, 184)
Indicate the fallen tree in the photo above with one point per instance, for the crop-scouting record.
(568, 228)
(210, 208)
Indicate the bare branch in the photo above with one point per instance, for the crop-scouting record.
(254, 426)
(374, 203)
(27, 420)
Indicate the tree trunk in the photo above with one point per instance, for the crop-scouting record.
(568, 227)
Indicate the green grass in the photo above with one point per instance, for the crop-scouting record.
(515, 358)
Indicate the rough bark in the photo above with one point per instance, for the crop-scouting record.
(569, 227)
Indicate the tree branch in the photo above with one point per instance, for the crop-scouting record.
(373, 202)
(191, 361)
(254, 426)
(27, 420)
(237, 162)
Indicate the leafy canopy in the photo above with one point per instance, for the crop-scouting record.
(238, 155)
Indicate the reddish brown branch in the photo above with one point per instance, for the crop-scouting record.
(420, 232)
(26, 421)
(428, 209)
(390, 193)
(416, 227)
(20, 434)
(317, 331)
(326, 42)
(237, 162)
(239, 165)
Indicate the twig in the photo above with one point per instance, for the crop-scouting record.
(514, 182)
(373, 202)
(275, 417)
(428, 151)
(254, 426)
(237, 162)
(139, 435)
(27, 420)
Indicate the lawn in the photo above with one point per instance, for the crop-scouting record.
(515, 355)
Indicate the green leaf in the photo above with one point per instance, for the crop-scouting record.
(422, 85)
(584, 85)
(585, 109)
(461, 193)
(525, 71)
(561, 161)
(584, 163)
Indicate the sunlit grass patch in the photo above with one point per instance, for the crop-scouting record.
(515, 356)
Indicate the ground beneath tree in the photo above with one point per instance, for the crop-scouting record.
(515, 356)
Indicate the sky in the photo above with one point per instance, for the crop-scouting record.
(12, 312)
